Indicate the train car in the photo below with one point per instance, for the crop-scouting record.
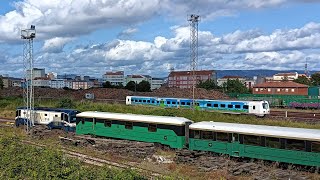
(164, 130)
(258, 108)
(280, 144)
(53, 118)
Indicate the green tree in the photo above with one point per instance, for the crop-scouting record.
(144, 86)
(234, 86)
(107, 84)
(208, 84)
(66, 103)
(1, 83)
(303, 80)
(131, 85)
(315, 79)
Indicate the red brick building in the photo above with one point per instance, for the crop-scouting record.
(281, 88)
(183, 79)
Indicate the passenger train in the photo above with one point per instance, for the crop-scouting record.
(281, 144)
(258, 108)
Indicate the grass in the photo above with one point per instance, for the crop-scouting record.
(8, 106)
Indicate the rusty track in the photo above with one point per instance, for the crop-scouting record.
(297, 115)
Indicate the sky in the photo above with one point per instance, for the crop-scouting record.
(91, 37)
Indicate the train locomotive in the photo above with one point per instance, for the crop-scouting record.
(53, 118)
(280, 144)
(259, 108)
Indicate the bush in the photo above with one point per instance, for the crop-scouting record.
(66, 103)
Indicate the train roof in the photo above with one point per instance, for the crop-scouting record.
(52, 109)
(273, 131)
(135, 117)
(220, 100)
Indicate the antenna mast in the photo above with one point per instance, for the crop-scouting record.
(193, 19)
(27, 35)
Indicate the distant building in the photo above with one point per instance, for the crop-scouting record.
(11, 82)
(82, 84)
(224, 79)
(138, 78)
(41, 82)
(60, 83)
(281, 88)
(184, 79)
(37, 73)
(52, 75)
(156, 83)
(285, 76)
(115, 78)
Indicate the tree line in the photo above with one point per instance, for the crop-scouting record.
(143, 86)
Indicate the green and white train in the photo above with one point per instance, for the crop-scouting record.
(280, 144)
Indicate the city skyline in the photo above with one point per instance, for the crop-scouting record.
(149, 37)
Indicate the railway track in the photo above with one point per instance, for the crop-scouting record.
(101, 162)
(297, 115)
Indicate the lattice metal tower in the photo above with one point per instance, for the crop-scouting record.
(193, 19)
(27, 35)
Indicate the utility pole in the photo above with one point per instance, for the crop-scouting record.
(27, 35)
(193, 19)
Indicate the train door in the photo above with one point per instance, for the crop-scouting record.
(235, 145)
(254, 108)
(162, 103)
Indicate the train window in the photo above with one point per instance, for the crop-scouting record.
(237, 106)
(245, 107)
(152, 128)
(148, 101)
(173, 102)
(207, 135)
(315, 146)
(107, 123)
(128, 125)
(196, 104)
(158, 102)
(140, 100)
(183, 103)
(222, 136)
(55, 115)
(152, 102)
(265, 105)
(208, 105)
(222, 105)
(45, 114)
(188, 103)
(82, 120)
(251, 140)
(273, 142)
(144, 101)
(168, 102)
(294, 144)
(253, 107)
(215, 105)
(196, 134)
(230, 106)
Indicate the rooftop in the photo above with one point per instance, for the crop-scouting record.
(188, 73)
(280, 84)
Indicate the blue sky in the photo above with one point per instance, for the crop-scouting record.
(148, 37)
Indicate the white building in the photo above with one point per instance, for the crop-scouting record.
(115, 78)
(60, 83)
(156, 83)
(286, 76)
(41, 82)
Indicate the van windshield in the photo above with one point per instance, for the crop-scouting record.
(265, 105)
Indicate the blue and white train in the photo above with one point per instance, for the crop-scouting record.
(53, 118)
(258, 108)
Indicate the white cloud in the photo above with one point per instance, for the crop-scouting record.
(127, 32)
(55, 45)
